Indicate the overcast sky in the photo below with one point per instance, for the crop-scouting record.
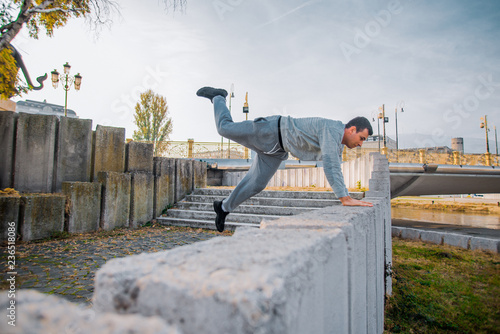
(326, 58)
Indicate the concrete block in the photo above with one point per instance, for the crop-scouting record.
(432, 237)
(108, 151)
(74, 151)
(9, 217)
(261, 281)
(487, 244)
(457, 240)
(183, 178)
(40, 313)
(115, 202)
(84, 200)
(410, 233)
(379, 185)
(7, 141)
(141, 200)
(365, 256)
(164, 189)
(34, 155)
(139, 157)
(396, 231)
(41, 215)
(199, 174)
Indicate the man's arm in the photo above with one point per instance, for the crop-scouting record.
(349, 201)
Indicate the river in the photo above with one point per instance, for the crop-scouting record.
(476, 220)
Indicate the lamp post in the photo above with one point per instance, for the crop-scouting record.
(401, 104)
(246, 111)
(67, 80)
(384, 120)
(231, 94)
(484, 124)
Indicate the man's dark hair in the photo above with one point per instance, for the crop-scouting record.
(360, 123)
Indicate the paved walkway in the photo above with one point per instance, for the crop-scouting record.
(67, 267)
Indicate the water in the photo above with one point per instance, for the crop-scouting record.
(491, 221)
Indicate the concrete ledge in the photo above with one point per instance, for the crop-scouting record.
(84, 199)
(258, 281)
(40, 313)
(139, 157)
(450, 239)
(41, 215)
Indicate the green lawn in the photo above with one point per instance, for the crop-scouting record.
(443, 289)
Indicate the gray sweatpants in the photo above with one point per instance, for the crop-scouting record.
(259, 135)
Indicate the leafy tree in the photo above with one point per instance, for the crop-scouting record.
(48, 15)
(152, 121)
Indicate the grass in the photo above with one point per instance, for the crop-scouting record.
(442, 289)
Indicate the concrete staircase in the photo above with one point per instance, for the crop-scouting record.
(196, 210)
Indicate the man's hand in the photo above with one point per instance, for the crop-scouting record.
(349, 201)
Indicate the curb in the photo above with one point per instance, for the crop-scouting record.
(451, 239)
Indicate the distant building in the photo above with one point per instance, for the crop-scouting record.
(457, 144)
(43, 108)
(372, 142)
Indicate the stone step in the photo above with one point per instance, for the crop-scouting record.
(287, 202)
(247, 209)
(210, 215)
(278, 194)
(197, 223)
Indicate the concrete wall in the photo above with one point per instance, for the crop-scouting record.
(41, 216)
(108, 153)
(84, 202)
(321, 272)
(115, 205)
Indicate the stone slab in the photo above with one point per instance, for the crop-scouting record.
(457, 240)
(84, 201)
(486, 244)
(164, 188)
(7, 141)
(9, 217)
(139, 157)
(41, 215)
(183, 178)
(40, 313)
(108, 151)
(261, 281)
(35, 153)
(410, 233)
(141, 200)
(115, 200)
(74, 151)
(432, 237)
(199, 174)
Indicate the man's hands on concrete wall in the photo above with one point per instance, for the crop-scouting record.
(349, 201)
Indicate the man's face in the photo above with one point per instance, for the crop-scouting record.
(354, 139)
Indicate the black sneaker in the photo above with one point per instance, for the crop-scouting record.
(210, 92)
(220, 219)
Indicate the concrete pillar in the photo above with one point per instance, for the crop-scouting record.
(487, 159)
(141, 200)
(456, 158)
(34, 155)
(421, 154)
(74, 151)
(115, 202)
(7, 145)
(199, 174)
(139, 157)
(41, 215)
(164, 184)
(108, 154)
(84, 201)
(190, 148)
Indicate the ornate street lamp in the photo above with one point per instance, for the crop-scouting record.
(67, 80)
(246, 111)
(401, 105)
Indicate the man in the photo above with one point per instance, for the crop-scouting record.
(273, 137)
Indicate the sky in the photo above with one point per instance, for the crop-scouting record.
(439, 60)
